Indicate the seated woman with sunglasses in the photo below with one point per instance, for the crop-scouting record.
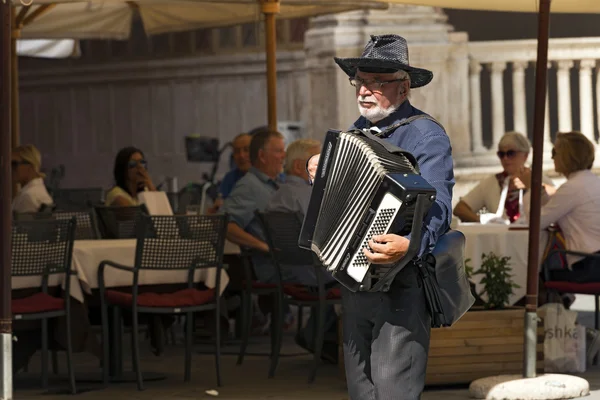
(26, 162)
(131, 177)
(513, 150)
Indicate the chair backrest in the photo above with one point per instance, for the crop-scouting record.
(42, 247)
(282, 230)
(188, 197)
(87, 224)
(118, 222)
(180, 241)
(174, 202)
(86, 227)
(77, 199)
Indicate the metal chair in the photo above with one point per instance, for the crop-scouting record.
(87, 224)
(118, 222)
(86, 227)
(187, 243)
(43, 248)
(282, 230)
(77, 199)
(254, 287)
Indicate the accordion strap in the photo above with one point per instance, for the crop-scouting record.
(387, 131)
(379, 136)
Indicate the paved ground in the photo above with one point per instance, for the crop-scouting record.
(246, 382)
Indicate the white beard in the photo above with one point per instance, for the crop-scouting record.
(375, 113)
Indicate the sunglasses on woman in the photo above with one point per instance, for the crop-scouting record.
(134, 163)
(15, 164)
(507, 154)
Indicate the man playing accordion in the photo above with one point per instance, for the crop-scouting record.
(386, 333)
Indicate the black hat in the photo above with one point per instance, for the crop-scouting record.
(385, 54)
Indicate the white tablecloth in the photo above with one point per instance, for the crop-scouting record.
(482, 239)
(88, 254)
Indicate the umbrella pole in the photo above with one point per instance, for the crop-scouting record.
(5, 202)
(14, 81)
(541, 70)
(269, 8)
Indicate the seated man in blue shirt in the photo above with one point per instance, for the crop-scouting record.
(241, 158)
(253, 192)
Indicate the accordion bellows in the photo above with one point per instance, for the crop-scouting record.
(363, 187)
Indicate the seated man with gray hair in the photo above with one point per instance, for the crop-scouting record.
(294, 196)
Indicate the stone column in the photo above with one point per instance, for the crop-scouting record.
(586, 98)
(563, 78)
(598, 96)
(476, 123)
(519, 101)
(497, 87)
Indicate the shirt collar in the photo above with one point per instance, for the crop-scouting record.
(295, 179)
(33, 183)
(581, 172)
(262, 176)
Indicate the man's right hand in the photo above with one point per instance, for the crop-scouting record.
(312, 165)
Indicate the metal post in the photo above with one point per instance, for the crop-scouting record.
(536, 191)
(269, 9)
(6, 392)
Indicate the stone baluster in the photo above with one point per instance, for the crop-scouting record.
(563, 78)
(476, 123)
(586, 98)
(519, 101)
(547, 134)
(497, 87)
(598, 95)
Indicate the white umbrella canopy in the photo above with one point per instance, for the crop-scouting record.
(559, 6)
(112, 19)
(46, 48)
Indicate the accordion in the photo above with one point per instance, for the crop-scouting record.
(363, 187)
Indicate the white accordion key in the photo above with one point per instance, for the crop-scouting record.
(381, 223)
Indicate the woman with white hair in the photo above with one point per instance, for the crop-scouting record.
(26, 164)
(513, 150)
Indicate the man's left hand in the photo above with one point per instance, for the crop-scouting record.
(386, 249)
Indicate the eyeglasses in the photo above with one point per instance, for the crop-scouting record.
(15, 164)
(133, 164)
(371, 85)
(507, 154)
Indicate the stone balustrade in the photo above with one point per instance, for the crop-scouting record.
(508, 63)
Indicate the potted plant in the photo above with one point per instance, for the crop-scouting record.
(497, 281)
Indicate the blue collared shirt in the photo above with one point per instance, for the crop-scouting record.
(229, 181)
(430, 145)
(250, 193)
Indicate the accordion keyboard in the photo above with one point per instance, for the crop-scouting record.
(386, 212)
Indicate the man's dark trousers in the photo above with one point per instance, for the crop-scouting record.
(386, 340)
